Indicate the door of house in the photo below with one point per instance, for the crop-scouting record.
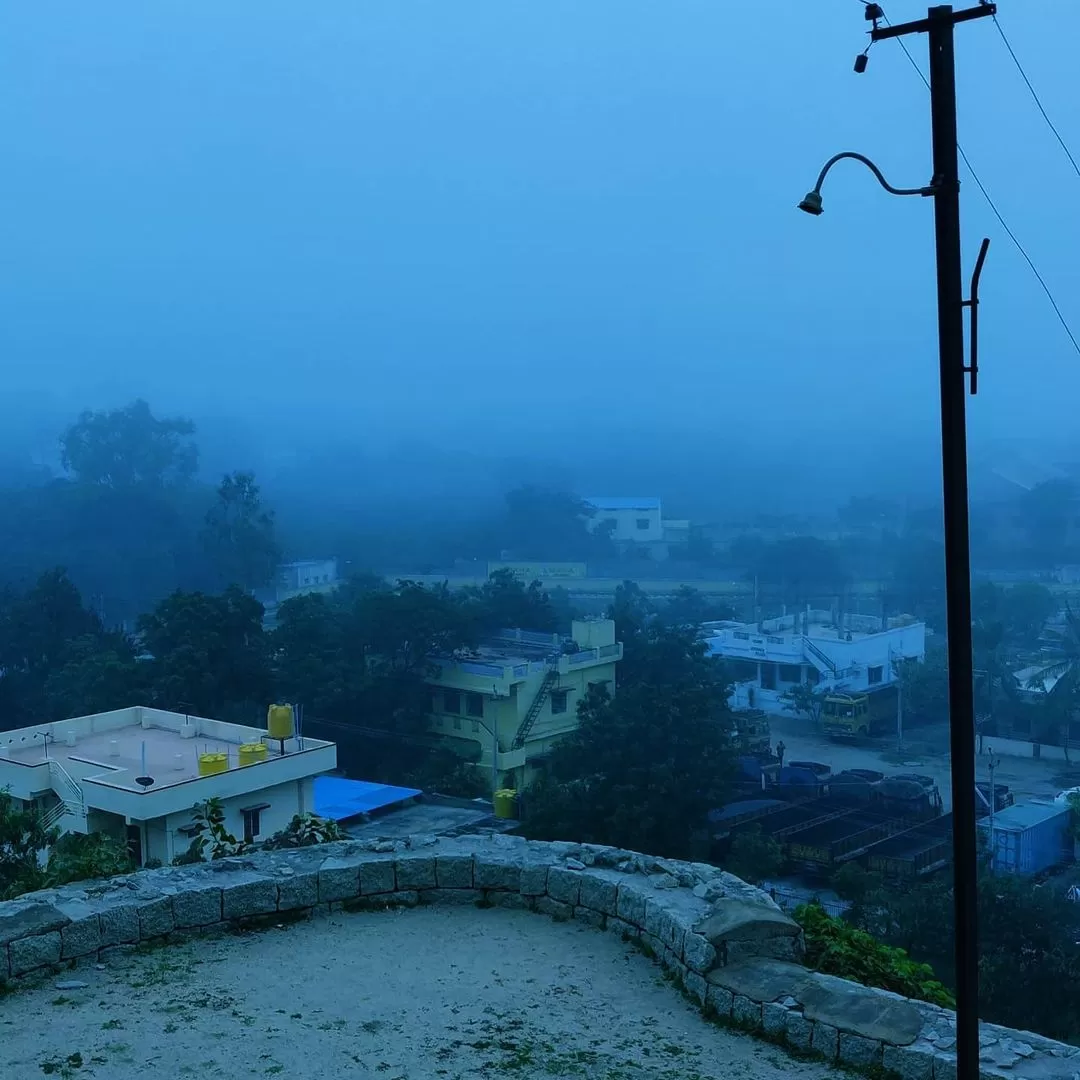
(134, 843)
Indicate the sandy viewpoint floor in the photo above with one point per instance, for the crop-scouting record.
(439, 992)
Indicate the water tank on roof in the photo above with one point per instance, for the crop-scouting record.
(250, 753)
(212, 763)
(280, 722)
(505, 803)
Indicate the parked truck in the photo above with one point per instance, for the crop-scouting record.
(752, 732)
(854, 715)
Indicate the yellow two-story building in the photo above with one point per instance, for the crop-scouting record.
(504, 705)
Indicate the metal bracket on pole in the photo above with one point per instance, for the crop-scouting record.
(922, 26)
(972, 369)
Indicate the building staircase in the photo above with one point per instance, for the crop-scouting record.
(819, 659)
(551, 678)
(68, 792)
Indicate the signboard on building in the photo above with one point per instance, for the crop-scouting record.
(528, 572)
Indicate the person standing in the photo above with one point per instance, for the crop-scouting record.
(780, 748)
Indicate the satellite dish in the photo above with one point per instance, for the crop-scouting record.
(144, 781)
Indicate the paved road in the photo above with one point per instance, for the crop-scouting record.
(928, 755)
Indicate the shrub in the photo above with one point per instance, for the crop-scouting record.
(837, 948)
(212, 840)
(22, 836)
(754, 856)
(82, 856)
(305, 830)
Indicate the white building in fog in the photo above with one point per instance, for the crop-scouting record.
(631, 520)
(856, 655)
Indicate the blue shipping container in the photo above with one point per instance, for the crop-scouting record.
(1030, 838)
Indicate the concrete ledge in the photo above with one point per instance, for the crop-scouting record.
(725, 943)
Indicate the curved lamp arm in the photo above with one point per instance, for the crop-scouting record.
(811, 204)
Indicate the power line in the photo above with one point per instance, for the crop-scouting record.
(1035, 98)
(990, 202)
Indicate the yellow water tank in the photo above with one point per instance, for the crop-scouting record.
(280, 722)
(505, 803)
(250, 752)
(213, 763)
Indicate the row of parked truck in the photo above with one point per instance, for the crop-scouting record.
(893, 823)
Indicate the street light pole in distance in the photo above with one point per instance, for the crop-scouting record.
(945, 189)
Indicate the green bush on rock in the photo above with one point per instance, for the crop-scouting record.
(837, 948)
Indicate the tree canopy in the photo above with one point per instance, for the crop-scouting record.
(129, 447)
(239, 534)
(644, 767)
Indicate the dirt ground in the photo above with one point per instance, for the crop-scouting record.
(434, 992)
(926, 751)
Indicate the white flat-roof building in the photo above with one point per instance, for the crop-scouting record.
(631, 520)
(856, 654)
(89, 774)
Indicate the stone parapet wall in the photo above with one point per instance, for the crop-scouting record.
(728, 945)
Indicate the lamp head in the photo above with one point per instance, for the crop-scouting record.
(811, 204)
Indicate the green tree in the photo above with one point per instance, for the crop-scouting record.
(129, 447)
(754, 856)
(22, 836)
(85, 856)
(239, 535)
(98, 673)
(563, 607)
(925, 688)
(691, 607)
(359, 665)
(800, 567)
(805, 700)
(644, 768)
(854, 883)
(37, 632)
(916, 580)
(1028, 937)
(505, 602)
(208, 654)
(1047, 509)
(1025, 609)
(1060, 679)
(837, 948)
(540, 523)
(634, 615)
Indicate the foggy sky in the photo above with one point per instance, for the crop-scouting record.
(552, 231)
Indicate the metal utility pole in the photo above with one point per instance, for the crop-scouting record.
(938, 26)
(899, 716)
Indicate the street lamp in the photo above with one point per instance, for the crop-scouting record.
(953, 368)
(811, 203)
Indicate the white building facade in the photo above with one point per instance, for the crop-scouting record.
(631, 520)
(89, 774)
(858, 654)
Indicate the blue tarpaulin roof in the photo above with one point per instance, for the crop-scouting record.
(338, 799)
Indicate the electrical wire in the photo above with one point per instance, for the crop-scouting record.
(990, 202)
(1035, 98)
